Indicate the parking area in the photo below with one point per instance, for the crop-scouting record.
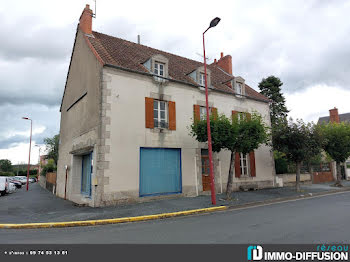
(9, 185)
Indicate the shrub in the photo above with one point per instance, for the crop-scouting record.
(49, 167)
(6, 173)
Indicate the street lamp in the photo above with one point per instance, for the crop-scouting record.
(213, 23)
(39, 169)
(30, 146)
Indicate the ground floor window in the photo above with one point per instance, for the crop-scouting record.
(244, 158)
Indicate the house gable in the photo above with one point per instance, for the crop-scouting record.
(82, 89)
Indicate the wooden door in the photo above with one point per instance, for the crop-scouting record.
(205, 170)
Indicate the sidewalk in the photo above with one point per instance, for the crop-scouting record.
(38, 205)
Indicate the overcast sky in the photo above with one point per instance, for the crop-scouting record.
(304, 43)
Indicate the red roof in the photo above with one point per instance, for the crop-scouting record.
(122, 53)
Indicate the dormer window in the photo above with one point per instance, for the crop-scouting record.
(239, 89)
(202, 79)
(159, 68)
(158, 65)
(198, 76)
(239, 86)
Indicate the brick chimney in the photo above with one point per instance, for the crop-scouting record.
(333, 115)
(85, 21)
(225, 62)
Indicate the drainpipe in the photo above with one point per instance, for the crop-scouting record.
(65, 184)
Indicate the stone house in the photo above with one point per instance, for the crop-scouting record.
(125, 117)
(334, 116)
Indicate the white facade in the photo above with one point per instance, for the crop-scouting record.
(128, 134)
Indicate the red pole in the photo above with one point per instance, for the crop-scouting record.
(30, 146)
(212, 182)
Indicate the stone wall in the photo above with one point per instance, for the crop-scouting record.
(290, 179)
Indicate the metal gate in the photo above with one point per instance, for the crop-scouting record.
(160, 171)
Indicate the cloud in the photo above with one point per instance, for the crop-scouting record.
(305, 43)
(315, 102)
(18, 154)
(14, 130)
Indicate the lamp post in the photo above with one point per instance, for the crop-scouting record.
(213, 23)
(30, 147)
(39, 169)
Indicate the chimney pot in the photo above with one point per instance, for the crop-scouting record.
(222, 55)
(215, 60)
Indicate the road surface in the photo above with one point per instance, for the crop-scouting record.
(316, 220)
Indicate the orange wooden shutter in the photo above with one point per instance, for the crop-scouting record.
(196, 113)
(172, 115)
(149, 112)
(214, 112)
(234, 113)
(252, 164)
(237, 165)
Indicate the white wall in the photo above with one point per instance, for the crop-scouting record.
(128, 132)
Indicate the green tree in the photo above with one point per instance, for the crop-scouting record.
(52, 145)
(49, 167)
(271, 88)
(236, 135)
(5, 165)
(298, 141)
(337, 144)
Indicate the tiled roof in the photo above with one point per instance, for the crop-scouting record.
(129, 55)
(342, 117)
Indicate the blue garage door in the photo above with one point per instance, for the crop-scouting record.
(160, 171)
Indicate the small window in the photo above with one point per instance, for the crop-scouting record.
(159, 69)
(201, 79)
(160, 109)
(239, 88)
(244, 164)
(241, 116)
(203, 112)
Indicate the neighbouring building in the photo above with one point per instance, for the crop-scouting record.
(334, 116)
(125, 117)
(44, 160)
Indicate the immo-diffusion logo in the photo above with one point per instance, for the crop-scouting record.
(255, 253)
(322, 253)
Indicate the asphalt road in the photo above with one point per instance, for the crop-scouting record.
(316, 220)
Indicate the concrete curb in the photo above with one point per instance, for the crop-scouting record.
(113, 220)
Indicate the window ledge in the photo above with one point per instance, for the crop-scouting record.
(160, 130)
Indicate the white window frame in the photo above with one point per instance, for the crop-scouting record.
(239, 88)
(241, 116)
(244, 164)
(159, 69)
(158, 120)
(203, 112)
(201, 79)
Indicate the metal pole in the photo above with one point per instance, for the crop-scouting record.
(30, 146)
(39, 165)
(212, 183)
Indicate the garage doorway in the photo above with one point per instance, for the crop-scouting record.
(160, 171)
